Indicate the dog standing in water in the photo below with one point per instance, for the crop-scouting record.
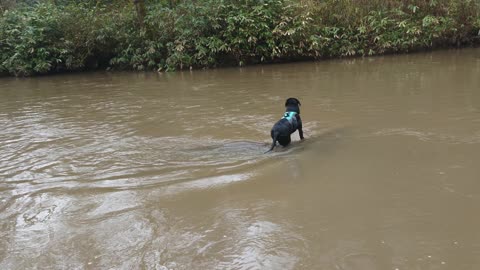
(290, 122)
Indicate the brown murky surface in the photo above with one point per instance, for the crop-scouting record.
(166, 171)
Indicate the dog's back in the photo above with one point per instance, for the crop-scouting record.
(287, 125)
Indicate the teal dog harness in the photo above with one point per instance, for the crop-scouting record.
(290, 116)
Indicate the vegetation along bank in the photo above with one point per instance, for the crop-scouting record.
(40, 37)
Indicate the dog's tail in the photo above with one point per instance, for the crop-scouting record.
(274, 138)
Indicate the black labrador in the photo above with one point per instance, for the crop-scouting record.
(290, 122)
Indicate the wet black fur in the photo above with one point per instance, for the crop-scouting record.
(282, 130)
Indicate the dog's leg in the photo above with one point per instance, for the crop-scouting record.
(300, 130)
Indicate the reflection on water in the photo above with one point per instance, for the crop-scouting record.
(167, 171)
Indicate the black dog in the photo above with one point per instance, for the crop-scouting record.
(290, 122)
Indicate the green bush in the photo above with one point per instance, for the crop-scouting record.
(27, 41)
(51, 38)
(78, 35)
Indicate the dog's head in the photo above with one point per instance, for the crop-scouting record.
(292, 102)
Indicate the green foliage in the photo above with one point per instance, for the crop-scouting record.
(25, 41)
(49, 38)
(76, 35)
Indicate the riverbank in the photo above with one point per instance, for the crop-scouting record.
(49, 38)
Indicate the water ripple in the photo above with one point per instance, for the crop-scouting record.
(430, 136)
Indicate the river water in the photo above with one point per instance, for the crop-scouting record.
(167, 171)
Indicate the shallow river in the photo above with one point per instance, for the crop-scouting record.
(167, 171)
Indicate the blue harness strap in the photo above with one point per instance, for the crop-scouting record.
(289, 116)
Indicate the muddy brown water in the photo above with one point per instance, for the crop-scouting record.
(166, 171)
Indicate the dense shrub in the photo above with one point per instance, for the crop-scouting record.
(77, 35)
(49, 38)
